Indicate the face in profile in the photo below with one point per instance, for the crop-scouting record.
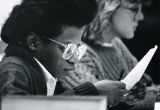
(125, 20)
(53, 58)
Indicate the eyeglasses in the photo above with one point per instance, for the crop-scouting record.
(134, 10)
(71, 50)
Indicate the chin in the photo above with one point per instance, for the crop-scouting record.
(128, 36)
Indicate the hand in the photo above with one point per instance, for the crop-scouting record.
(113, 89)
(136, 94)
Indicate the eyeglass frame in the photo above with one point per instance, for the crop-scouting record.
(64, 46)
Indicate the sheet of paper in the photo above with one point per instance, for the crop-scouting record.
(157, 106)
(137, 72)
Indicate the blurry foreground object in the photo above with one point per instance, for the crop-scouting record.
(53, 103)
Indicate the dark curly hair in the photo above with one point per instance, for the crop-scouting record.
(46, 18)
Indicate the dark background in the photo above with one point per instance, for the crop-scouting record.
(147, 36)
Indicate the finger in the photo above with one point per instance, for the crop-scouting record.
(131, 97)
(121, 93)
(122, 85)
(125, 91)
(140, 94)
(124, 99)
(140, 98)
(134, 91)
(140, 85)
(137, 91)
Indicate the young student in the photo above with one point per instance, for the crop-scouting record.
(34, 56)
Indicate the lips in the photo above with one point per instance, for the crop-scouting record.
(135, 27)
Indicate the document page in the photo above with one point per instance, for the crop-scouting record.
(137, 72)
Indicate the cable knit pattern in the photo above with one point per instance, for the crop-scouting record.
(100, 63)
(104, 63)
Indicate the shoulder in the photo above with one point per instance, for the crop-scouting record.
(90, 53)
(127, 55)
(14, 65)
(7, 60)
(16, 69)
(118, 42)
(14, 79)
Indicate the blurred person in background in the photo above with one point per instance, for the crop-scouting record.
(107, 56)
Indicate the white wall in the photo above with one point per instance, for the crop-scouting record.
(5, 8)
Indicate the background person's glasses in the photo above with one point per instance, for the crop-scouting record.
(135, 10)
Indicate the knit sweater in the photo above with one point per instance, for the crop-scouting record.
(99, 63)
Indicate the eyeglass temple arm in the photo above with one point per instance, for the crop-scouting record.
(63, 45)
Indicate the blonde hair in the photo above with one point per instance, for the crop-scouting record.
(93, 31)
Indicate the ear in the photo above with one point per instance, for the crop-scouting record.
(33, 41)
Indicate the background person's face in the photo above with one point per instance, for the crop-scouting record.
(71, 34)
(125, 21)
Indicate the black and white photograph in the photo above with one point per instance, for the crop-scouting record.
(79, 54)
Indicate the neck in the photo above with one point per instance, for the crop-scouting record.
(107, 37)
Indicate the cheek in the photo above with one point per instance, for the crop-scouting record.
(125, 31)
(55, 60)
(51, 54)
(54, 55)
(122, 25)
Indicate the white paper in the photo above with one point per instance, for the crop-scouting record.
(137, 72)
(157, 106)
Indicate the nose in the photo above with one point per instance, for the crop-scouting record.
(139, 16)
